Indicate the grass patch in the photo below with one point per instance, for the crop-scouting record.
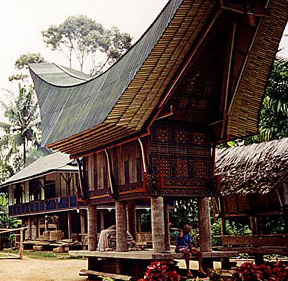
(43, 255)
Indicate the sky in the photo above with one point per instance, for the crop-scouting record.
(21, 23)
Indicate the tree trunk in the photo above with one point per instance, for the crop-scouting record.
(24, 152)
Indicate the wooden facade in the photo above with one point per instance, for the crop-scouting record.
(44, 196)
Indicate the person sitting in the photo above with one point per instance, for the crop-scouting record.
(184, 244)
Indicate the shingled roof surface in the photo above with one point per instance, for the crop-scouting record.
(82, 115)
(255, 168)
(56, 162)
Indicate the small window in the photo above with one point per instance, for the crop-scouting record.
(49, 187)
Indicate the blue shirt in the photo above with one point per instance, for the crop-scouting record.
(183, 241)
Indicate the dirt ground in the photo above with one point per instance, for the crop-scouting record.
(41, 270)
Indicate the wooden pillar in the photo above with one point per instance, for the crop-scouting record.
(131, 218)
(36, 222)
(138, 217)
(46, 222)
(222, 215)
(254, 225)
(157, 221)
(204, 225)
(102, 220)
(121, 226)
(92, 227)
(167, 225)
(82, 226)
(37, 227)
(29, 228)
(223, 226)
(21, 248)
(69, 223)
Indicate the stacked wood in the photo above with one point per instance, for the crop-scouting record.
(37, 248)
(61, 249)
(46, 235)
(55, 235)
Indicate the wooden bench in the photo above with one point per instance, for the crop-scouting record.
(86, 272)
(148, 256)
(209, 257)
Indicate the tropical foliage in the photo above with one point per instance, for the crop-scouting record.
(273, 122)
(23, 124)
(21, 65)
(82, 39)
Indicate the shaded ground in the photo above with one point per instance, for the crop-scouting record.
(41, 270)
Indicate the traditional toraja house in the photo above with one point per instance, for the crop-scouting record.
(43, 196)
(146, 128)
(254, 185)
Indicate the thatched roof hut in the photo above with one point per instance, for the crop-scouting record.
(251, 169)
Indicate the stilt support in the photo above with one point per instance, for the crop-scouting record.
(157, 220)
(121, 226)
(167, 225)
(82, 227)
(204, 225)
(69, 223)
(92, 227)
(131, 218)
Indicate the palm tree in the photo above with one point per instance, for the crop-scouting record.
(23, 123)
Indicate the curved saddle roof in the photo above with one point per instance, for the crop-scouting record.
(80, 114)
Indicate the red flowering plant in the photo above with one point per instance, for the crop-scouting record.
(159, 271)
(265, 272)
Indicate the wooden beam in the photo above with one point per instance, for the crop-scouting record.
(113, 188)
(143, 155)
(228, 77)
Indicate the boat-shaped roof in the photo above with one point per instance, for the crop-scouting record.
(79, 114)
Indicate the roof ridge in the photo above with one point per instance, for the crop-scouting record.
(70, 73)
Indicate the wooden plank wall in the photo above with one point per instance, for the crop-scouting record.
(97, 166)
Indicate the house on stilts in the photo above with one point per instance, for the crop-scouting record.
(44, 196)
(147, 127)
(254, 189)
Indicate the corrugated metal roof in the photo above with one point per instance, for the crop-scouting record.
(118, 103)
(56, 162)
(70, 110)
(58, 75)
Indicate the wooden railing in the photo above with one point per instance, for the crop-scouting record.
(52, 204)
(256, 240)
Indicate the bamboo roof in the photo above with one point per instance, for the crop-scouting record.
(255, 168)
(52, 163)
(82, 115)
